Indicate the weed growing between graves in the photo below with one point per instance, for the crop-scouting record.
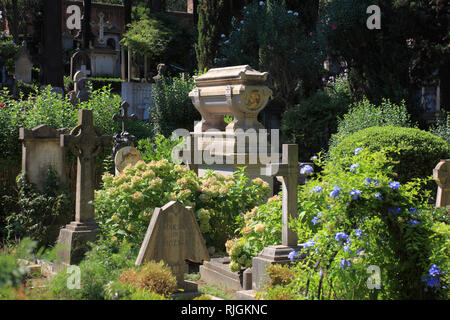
(351, 218)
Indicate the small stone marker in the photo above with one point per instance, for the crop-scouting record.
(124, 157)
(41, 149)
(441, 174)
(173, 236)
(23, 64)
(85, 143)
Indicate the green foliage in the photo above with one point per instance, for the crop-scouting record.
(125, 203)
(441, 126)
(160, 38)
(209, 14)
(364, 114)
(158, 149)
(100, 266)
(12, 273)
(354, 217)
(8, 50)
(173, 109)
(311, 122)
(35, 214)
(293, 59)
(415, 155)
(411, 44)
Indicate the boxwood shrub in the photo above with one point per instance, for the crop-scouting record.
(418, 151)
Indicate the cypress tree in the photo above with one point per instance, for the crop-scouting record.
(209, 16)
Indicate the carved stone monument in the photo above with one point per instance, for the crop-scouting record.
(441, 174)
(239, 91)
(174, 236)
(85, 142)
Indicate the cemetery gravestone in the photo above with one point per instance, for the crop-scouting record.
(441, 174)
(124, 139)
(41, 150)
(174, 236)
(85, 143)
(24, 64)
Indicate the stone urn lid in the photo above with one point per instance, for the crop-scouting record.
(231, 75)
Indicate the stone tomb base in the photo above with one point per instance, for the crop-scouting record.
(74, 238)
(217, 271)
(269, 255)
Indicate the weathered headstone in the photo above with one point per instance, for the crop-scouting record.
(124, 157)
(85, 142)
(24, 64)
(441, 174)
(101, 28)
(41, 149)
(174, 236)
(80, 90)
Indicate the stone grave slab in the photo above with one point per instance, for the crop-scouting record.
(174, 236)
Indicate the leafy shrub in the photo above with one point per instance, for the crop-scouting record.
(441, 126)
(173, 109)
(157, 148)
(364, 115)
(126, 202)
(100, 266)
(311, 122)
(357, 216)
(152, 276)
(38, 215)
(8, 50)
(417, 152)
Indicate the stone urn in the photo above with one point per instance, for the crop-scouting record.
(238, 91)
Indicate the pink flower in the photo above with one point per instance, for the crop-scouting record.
(334, 27)
(2, 105)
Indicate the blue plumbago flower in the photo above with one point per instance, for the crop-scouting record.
(314, 157)
(357, 151)
(369, 181)
(358, 233)
(345, 264)
(431, 281)
(394, 185)
(347, 248)
(295, 13)
(341, 236)
(222, 35)
(289, 11)
(306, 169)
(309, 244)
(413, 222)
(394, 210)
(355, 193)
(317, 189)
(434, 271)
(354, 167)
(378, 196)
(336, 191)
(261, 3)
(413, 210)
(359, 250)
(316, 219)
(292, 255)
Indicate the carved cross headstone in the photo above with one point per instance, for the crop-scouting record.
(173, 236)
(85, 70)
(101, 27)
(85, 142)
(124, 117)
(441, 174)
(288, 170)
(124, 138)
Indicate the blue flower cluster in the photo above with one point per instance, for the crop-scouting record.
(341, 236)
(345, 263)
(317, 189)
(394, 185)
(355, 193)
(394, 210)
(306, 169)
(354, 167)
(336, 191)
(370, 181)
(378, 196)
(357, 151)
(433, 279)
(316, 219)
